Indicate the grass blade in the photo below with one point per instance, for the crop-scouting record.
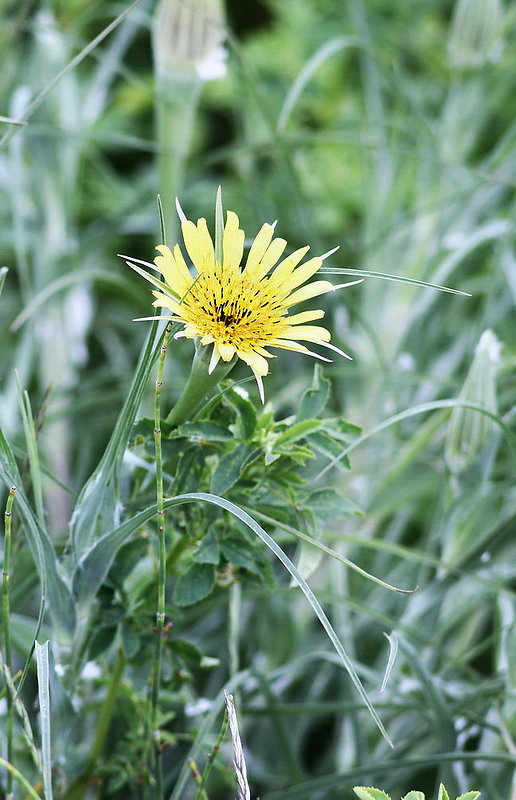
(44, 710)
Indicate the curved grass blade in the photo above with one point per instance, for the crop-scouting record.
(59, 285)
(53, 587)
(367, 273)
(20, 778)
(312, 65)
(411, 412)
(93, 568)
(324, 549)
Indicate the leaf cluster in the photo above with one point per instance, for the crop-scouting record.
(370, 793)
(246, 455)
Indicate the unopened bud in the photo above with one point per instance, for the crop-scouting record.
(469, 430)
(475, 37)
(188, 38)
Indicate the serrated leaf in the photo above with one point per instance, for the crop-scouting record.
(369, 793)
(194, 585)
(231, 466)
(324, 443)
(328, 504)
(414, 796)
(469, 796)
(443, 794)
(300, 430)
(314, 399)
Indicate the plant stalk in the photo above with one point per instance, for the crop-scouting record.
(162, 562)
(199, 385)
(7, 630)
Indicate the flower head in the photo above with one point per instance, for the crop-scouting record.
(242, 309)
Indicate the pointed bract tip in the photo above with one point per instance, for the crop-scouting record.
(330, 252)
(180, 213)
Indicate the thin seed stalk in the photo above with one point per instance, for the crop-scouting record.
(7, 630)
(162, 555)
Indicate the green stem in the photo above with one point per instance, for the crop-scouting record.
(7, 630)
(106, 712)
(199, 385)
(162, 562)
(177, 100)
(12, 772)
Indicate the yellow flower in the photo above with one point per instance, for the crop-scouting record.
(240, 309)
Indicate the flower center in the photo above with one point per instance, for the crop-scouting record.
(233, 308)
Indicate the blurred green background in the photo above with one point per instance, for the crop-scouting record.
(386, 129)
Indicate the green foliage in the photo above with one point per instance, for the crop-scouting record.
(388, 131)
(376, 794)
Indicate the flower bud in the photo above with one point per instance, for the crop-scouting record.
(475, 35)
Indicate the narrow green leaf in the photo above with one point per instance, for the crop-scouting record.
(31, 444)
(3, 275)
(366, 273)
(219, 227)
(44, 711)
(97, 502)
(53, 587)
(162, 226)
(393, 651)
(414, 411)
(300, 430)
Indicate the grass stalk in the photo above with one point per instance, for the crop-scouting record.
(162, 559)
(7, 630)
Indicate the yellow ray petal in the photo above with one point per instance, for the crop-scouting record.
(174, 271)
(286, 267)
(198, 243)
(303, 273)
(259, 246)
(304, 316)
(306, 333)
(165, 301)
(257, 362)
(226, 351)
(270, 257)
(311, 290)
(232, 241)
